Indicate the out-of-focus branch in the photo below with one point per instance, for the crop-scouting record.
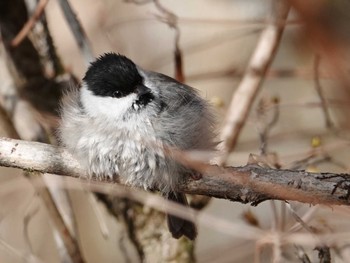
(267, 125)
(69, 241)
(246, 92)
(270, 74)
(6, 126)
(78, 31)
(43, 41)
(172, 21)
(30, 23)
(326, 25)
(247, 184)
(327, 117)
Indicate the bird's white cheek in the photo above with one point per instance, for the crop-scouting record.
(108, 107)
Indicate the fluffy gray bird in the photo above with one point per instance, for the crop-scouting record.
(127, 124)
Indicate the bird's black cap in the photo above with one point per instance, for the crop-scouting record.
(112, 75)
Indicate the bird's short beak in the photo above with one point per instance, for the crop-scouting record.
(142, 90)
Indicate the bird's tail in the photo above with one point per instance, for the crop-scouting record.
(179, 227)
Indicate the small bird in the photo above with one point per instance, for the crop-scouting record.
(126, 123)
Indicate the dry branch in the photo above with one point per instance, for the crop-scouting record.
(30, 23)
(77, 30)
(326, 114)
(247, 184)
(253, 78)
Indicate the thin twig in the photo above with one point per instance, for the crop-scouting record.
(203, 45)
(299, 219)
(172, 21)
(246, 92)
(30, 23)
(324, 251)
(324, 104)
(6, 124)
(245, 22)
(320, 27)
(78, 31)
(99, 215)
(302, 256)
(274, 73)
(69, 241)
(28, 215)
(264, 132)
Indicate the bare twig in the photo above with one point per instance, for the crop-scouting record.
(203, 45)
(264, 132)
(247, 184)
(58, 222)
(325, 25)
(44, 44)
(172, 21)
(6, 126)
(270, 74)
(245, 22)
(299, 220)
(302, 256)
(327, 117)
(252, 80)
(99, 215)
(30, 23)
(77, 30)
(324, 251)
(29, 214)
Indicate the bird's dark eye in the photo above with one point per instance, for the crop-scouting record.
(117, 94)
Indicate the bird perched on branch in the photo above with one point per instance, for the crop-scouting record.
(130, 125)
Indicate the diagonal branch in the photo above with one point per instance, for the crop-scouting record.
(77, 30)
(30, 23)
(248, 184)
(254, 75)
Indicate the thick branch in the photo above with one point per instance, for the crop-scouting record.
(39, 157)
(247, 184)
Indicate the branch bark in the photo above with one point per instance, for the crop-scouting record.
(248, 184)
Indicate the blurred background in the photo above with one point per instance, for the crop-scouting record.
(296, 117)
